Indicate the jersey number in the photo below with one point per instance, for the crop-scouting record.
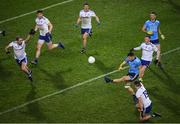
(145, 94)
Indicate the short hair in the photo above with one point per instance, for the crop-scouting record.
(130, 54)
(153, 13)
(17, 38)
(39, 11)
(86, 3)
(148, 36)
(137, 83)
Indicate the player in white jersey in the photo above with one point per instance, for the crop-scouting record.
(147, 55)
(20, 55)
(85, 17)
(144, 103)
(45, 28)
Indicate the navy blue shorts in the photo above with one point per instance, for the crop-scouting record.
(145, 63)
(19, 62)
(133, 76)
(47, 38)
(155, 42)
(86, 30)
(148, 109)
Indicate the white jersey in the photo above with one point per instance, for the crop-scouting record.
(86, 18)
(147, 51)
(19, 50)
(142, 92)
(42, 24)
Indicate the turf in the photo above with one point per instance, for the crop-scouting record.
(60, 69)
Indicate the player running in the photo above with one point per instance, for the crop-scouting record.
(45, 28)
(147, 55)
(20, 55)
(152, 28)
(85, 16)
(144, 103)
(133, 73)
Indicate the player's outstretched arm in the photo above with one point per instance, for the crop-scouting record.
(27, 38)
(97, 19)
(7, 48)
(161, 34)
(78, 21)
(121, 65)
(137, 48)
(144, 29)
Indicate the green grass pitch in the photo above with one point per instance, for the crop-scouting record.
(95, 101)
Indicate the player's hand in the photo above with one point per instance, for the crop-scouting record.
(120, 68)
(98, 24)
(132, 49)
(162, 37)
(32, 32)
(7, 52)
(76, 25)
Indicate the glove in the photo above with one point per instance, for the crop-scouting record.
(76, 25)
(7, 52)
(132, 49)
(32, 32)
(162, 37)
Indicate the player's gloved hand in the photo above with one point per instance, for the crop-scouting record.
(7, 52)
(3, 33)
(120, 68)
(98, 24)
(76, 25)
(132, 49)
(32, 32)
(162, 37)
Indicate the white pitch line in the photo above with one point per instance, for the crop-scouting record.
(22, 15)
(72, 87)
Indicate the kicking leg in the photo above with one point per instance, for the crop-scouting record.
(52, 46)
(141, 73)
(26, 70)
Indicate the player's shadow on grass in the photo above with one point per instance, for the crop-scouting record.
(34, 108)
(169, 81)
(166, 101)
(56, 78)
(4, 73)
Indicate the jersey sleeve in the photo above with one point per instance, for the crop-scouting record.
(11, 44)
(138, 94)
(138, 48)
(47, 20)
(93, 14)
(146, 24)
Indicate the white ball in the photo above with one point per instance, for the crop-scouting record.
(91, 59)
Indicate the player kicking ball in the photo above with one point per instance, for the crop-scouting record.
(144, 104)
(45, 28)
(147, 55)
(133, 73)
(152, 28)
(85, 16)
(20, 55)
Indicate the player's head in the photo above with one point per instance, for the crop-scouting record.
(147, 39)
(19, 40)
(153, 16)
(39, 13)
(131, 56)
(137, 84)
(86, 7)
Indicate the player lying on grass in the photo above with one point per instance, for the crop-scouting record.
(133, 73)
(85, 16)
(45, 28)
(3, 33)
(144, 104)
(152, 28)
(147, 55)
(20, 55)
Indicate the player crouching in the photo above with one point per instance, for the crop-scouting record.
(133, 73)
(20, 55)
(144, 104)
